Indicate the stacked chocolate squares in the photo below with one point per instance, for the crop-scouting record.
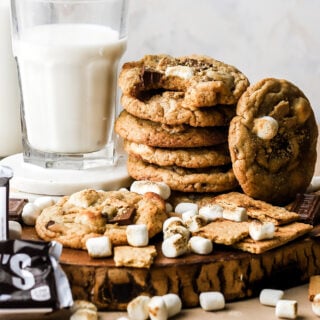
(176, 118)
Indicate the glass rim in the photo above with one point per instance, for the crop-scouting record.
(70, 1)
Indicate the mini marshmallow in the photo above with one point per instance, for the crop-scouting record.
(270, 297)
(174, 246)
(260, 231)
(211, 212)
(137, 235)
(173, 303)
(84, 314)
(238, 214)
(99, 247)
(138, 308)
(169, 207)
(144, 186)
(266, 127)
(44, 202)
(15, 230)
(200, 245)
(172, 230)
(183, 72)
(212, 300)
(30, 213)
(172, 221)
(187, 215)
(195, 223)
(186, 206)
(157, 308)
(315, 305)
(287, 309)
(83, 304)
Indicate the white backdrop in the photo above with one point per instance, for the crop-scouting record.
(262, 38)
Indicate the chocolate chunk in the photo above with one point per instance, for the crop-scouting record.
(151, 77)
(124, 217)
(15, 208)
(308, 208)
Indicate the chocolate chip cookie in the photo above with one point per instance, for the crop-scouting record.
(204, 80)
(167, 108)
(272, 141)
(187, 158)
(211, 179)
(159, 135)
(91, 213)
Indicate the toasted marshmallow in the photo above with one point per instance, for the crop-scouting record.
(157, 308)
(265, 127)
(169, 207)
(44, 202)
(174, 246)
(212, 300)
(186, 206)
(200, 245)
(15, 230)
(211, 212)
(270, 297)
(137, 235)
(30, 213)
(84, 314)
(173, 304)
(187, 215)
(83, 304)
(138, 308)
(144, 186)
(183, 72)
(99, 247)
(172, 221)
(172, 230)
(195, 223)
(260, 231)
(287, 309)
(315, 305)
(238, 214)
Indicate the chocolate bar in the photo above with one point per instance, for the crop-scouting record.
(308, 208)
(124, 218)
(15, 208)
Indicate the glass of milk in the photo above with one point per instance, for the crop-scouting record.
(67, 54)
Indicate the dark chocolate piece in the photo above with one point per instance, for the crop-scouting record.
(151, 77)
(308, 208)
(124, 217)
(15, 208)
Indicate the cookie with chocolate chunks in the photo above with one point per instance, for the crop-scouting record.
(204, 80)
(91, 213)
(272, 141)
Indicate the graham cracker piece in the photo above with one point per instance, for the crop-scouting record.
(314, 287)
(224, 231)
(283, 235)
(136, 257)
(257, 209)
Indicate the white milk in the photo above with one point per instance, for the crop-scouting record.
(10, 129)
(68, 75)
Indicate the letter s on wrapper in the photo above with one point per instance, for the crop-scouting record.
(31, 277)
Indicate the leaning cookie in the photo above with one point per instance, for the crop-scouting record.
(158, 135)
(272, 141)
(187, 158)
(205, 81)
(212, 179)
(167, 108)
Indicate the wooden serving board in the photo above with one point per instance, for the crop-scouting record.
(236, 274)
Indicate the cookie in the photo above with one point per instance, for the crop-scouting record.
(187, 158)
(89, 213)
(158, 135)
(283, 235)
(167, 108)
(257, 209)
(205, 81)
(211, 179)
(272, 141)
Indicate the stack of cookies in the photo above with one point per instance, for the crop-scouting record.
(176, 118)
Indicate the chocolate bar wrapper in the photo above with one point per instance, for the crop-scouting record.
(31, 279)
